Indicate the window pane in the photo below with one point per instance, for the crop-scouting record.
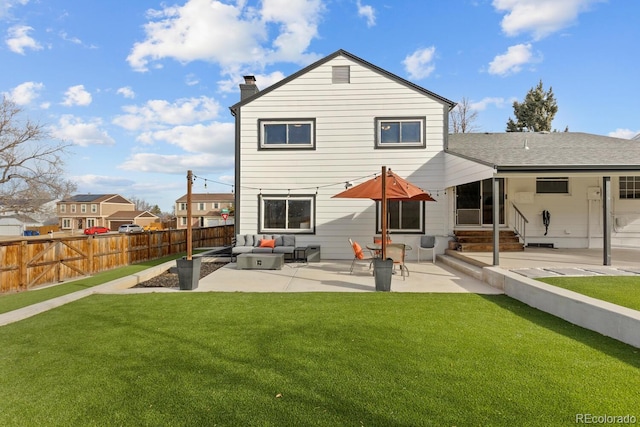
(299, 214)
(275, 213)
(394, 215)
(411, 215)
(300, 134)
(389, 132)
(275, 134)
(552, 185)
(411, 132)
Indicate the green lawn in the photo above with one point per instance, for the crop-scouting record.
(14, 301)
(621, 290)
(312, 359)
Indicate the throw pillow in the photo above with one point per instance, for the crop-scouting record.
(357, 249)
(267, 243)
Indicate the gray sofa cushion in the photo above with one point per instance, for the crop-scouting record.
(256, 239)
(240, 240)
(242, 249)
(279, 240)
(258, 250)
(283, 250)
(288, 240)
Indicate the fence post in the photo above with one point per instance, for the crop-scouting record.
(23, 265)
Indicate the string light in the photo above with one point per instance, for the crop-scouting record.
(346, 184)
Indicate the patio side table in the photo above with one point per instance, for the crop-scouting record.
(300, 253)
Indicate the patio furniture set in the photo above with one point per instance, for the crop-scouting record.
(268, 252)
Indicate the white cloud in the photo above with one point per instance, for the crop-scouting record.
(101, 181)
(229, 34)
(512, 61)
(191, 79)
(151, 162)
(367, 12)
(484, 103)
(18, 39)
(213, 138)
(418, 64)
(539, 17)
(71, 128)
(127, 92)
(76, 95)
(24, 93)
(624, 133)
(6, 5)
(158, 114)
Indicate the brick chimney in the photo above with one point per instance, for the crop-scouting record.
(248, 88)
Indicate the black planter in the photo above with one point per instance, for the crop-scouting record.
(188, 273)
(382, 270)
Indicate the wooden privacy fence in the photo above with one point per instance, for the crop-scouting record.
(29, 263)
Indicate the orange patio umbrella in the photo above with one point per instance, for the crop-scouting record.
(387, 186)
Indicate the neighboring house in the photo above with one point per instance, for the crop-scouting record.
(206, 209)
(87, 210)
(142, 218)
(15, 225)
(340, 119)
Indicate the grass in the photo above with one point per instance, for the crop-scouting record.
(313, 359)
(14, 301)
(621, 290)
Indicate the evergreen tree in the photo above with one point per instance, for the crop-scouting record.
(535, 113)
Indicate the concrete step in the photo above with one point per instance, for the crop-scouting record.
(460, 265)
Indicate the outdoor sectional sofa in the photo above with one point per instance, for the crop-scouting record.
(259, 243)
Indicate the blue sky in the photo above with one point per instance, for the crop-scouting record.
(141, 89)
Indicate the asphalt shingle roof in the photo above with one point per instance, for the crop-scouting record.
(547, 151)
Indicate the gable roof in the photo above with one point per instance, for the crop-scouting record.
(131, 215)
(234, 108)
(96, 198)
(547, 151)
(208, 197)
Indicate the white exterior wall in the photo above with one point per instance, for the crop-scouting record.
(345, 137)
(576, 221)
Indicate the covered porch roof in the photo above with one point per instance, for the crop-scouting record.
(547, 152)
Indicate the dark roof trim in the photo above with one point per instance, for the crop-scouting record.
(407, 83)
(569, 168)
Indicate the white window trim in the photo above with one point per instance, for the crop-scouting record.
(94, 208)
(83, 208)
(310, 146)
(286, 230)
(73, 208)
(423, 132)
(66, 223)
(63, 208)
(400, 230)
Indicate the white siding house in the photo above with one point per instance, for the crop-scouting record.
(339, 120)
(340, 104)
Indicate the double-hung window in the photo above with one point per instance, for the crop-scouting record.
(406, 132)
(288, 134)
(287, 214)
(404, 217)
(630, 187)
(552, 185)
(182, 207)
(201, 206)
(63, 208)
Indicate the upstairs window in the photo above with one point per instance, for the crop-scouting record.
(63, 208)
(182, 207)
(83, 208)
(552, 185)
(400, 133)
(201, 206)
(73, 208)
(94, 208)
(288, 134)
(630, 187)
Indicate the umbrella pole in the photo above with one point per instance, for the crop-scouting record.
(384, 212)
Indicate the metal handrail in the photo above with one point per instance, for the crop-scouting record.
(519, 223)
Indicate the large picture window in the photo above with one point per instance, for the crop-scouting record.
(293, 214)
(400, 132)
(552, 185)
(289, 134)
(404, 217)
(630, 187)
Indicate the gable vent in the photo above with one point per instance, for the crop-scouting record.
(341, 74)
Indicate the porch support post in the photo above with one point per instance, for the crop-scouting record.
(606, 220)
(496, 221)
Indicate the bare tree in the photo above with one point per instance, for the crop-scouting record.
(140, 204)
(462, 118)
(31, 164)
